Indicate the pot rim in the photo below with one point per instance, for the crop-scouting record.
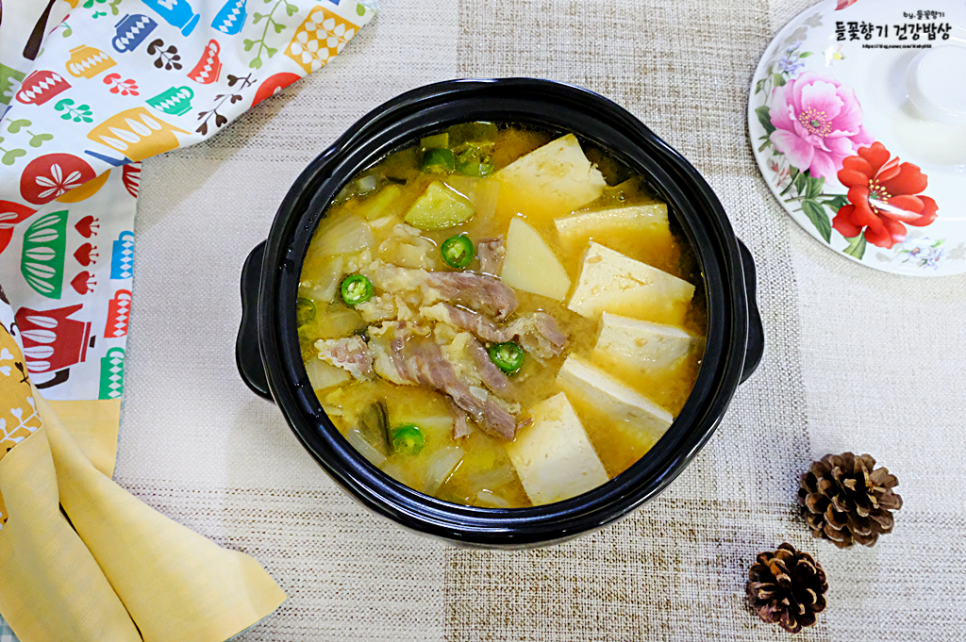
(693, 204)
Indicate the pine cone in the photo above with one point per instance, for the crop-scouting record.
(787, 587)
(846, 500)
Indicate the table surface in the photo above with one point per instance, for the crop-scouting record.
(855, 360)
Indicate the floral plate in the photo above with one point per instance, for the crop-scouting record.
(837, 124)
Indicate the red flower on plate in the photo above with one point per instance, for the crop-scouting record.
(842, 4)
(884, 197)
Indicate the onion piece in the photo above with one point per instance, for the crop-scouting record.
(343, 235)
(324, 375)
(491, 500)
(490, 478)
(440, 465)
(367, 183)
(365, 449)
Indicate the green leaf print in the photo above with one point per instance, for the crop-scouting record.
(816, 214)
(15, 126)
(835, 202)
(36, 140)
(80, 113)
(856, 246)
(764, 118)
(10, 156)
(813, 188)
(270, 21)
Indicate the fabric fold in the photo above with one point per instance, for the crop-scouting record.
(52, 587)
(177, 585)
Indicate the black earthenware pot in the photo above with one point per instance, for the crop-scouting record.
(268, 353)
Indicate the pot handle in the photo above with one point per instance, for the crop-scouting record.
(248, 358)
(756, 333)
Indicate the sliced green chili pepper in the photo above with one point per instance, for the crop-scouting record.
(508, 356)
(304, 311)
(457, 251)
(407, 439)
(474, 162)
(356, 289)
(438, 161)
(476, 170)
(477, 133)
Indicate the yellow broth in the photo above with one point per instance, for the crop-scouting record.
(485, 476)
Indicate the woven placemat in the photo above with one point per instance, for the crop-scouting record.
(855, 359)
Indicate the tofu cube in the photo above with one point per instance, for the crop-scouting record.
(553, 457)
(530, 264)
(612, 282)
(550, 181)
(595, 387)
(640, 345)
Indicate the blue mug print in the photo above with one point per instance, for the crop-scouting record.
(231, 18)
(122, 256)
(177, 13)
(131, 31)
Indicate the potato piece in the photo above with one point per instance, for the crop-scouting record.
(388, 202)
(595, 387)
(612, 282)
(639, 346)
(530, 265)
(549, 181)
(553, 457)
(635, 219)
(439, 208)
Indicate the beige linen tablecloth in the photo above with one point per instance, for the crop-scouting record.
(855, 359)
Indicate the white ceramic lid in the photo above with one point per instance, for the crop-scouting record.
(857, 120)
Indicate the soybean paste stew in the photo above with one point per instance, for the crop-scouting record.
(500, 316)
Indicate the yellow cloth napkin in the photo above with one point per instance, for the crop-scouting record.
(123, 568)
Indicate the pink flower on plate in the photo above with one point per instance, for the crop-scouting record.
(818, 124)
(844, 3)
